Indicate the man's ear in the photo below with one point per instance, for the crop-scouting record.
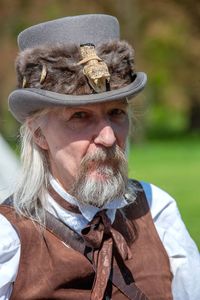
(40, 139)
(38, 136)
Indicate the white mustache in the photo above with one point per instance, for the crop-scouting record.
(105, 156)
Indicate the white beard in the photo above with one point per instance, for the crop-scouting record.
(102, 177)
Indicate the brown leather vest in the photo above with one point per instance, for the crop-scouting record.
(49, 269)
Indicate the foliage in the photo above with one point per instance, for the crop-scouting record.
(170, 54)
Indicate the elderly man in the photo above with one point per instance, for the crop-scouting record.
(76, 226)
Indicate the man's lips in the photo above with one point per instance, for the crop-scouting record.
(100, 170)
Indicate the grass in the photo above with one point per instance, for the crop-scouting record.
(175, 167)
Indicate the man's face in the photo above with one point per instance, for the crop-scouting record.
(76, 134)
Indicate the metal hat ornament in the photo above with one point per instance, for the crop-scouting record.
(73, 61)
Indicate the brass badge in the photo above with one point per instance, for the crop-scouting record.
(94, 68)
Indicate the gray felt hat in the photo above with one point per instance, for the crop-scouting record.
(73, 61)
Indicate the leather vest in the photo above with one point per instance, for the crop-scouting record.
(50, 269)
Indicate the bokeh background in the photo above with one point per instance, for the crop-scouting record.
(165, 140)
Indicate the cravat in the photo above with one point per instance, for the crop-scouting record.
(106, 242)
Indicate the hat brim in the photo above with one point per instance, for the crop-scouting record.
(23, 102)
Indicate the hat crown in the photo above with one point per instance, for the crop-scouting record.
(92, 28)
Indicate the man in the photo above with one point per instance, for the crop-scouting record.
(76, 226)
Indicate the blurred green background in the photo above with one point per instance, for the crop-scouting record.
(165, 141)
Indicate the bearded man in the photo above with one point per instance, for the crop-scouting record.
(76, 226)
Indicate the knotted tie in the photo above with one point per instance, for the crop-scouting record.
(106, 242)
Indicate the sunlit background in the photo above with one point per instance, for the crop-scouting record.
(165, 141)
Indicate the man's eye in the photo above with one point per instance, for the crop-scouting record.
(117, 112)
(79, 115)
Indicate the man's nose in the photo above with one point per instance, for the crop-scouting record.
(105, 136)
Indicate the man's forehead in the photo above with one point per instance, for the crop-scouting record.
(97, 106)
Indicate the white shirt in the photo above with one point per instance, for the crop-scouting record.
(182, 251)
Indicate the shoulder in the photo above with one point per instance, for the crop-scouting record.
(9, 255)
(9, 238)
(183, 253)
(164, 210)
(159, 201)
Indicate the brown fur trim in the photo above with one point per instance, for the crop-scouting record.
(64, 75)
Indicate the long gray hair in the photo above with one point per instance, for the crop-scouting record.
(32, 183)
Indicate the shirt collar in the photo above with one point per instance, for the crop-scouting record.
(89, 211)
